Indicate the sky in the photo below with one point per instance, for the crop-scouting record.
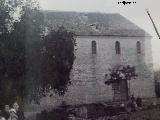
(135, 12)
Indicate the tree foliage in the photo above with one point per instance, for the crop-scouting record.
(29, 61)
(58, 58)
(31, 25)
(119, 73)
(15, 37)
(118, 77)
(7, 11)
(10, 51)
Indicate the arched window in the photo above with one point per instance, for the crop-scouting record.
(138, 47)
(94, 47)
(118, 47)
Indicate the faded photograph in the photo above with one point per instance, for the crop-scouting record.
(79, 60)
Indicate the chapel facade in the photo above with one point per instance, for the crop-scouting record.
(103, 41)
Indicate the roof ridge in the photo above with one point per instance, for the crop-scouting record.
(82, 12)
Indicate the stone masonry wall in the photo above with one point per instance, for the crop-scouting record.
(88, 74)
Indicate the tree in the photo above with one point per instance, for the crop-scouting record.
(8, 8)
(29, 61)
(119, 74)
(16, 37)
(9, 51)
(58, 58)
(12, 61)
(32, 28)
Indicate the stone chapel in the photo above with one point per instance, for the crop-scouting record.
(103, 40)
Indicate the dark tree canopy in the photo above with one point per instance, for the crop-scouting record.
(30, 62)
(13, 47)
(31, 26)
(58, 58)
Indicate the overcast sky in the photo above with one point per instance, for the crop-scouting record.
(134, 12)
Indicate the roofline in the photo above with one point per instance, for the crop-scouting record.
(83, 12)
(112, 36)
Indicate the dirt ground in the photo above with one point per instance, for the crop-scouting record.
(150, 111)
(152, 114)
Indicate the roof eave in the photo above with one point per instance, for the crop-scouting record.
(113, 35)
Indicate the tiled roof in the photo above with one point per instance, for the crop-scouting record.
(93, 23)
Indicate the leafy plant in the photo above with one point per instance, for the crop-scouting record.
(119, 73)
(58, 58)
